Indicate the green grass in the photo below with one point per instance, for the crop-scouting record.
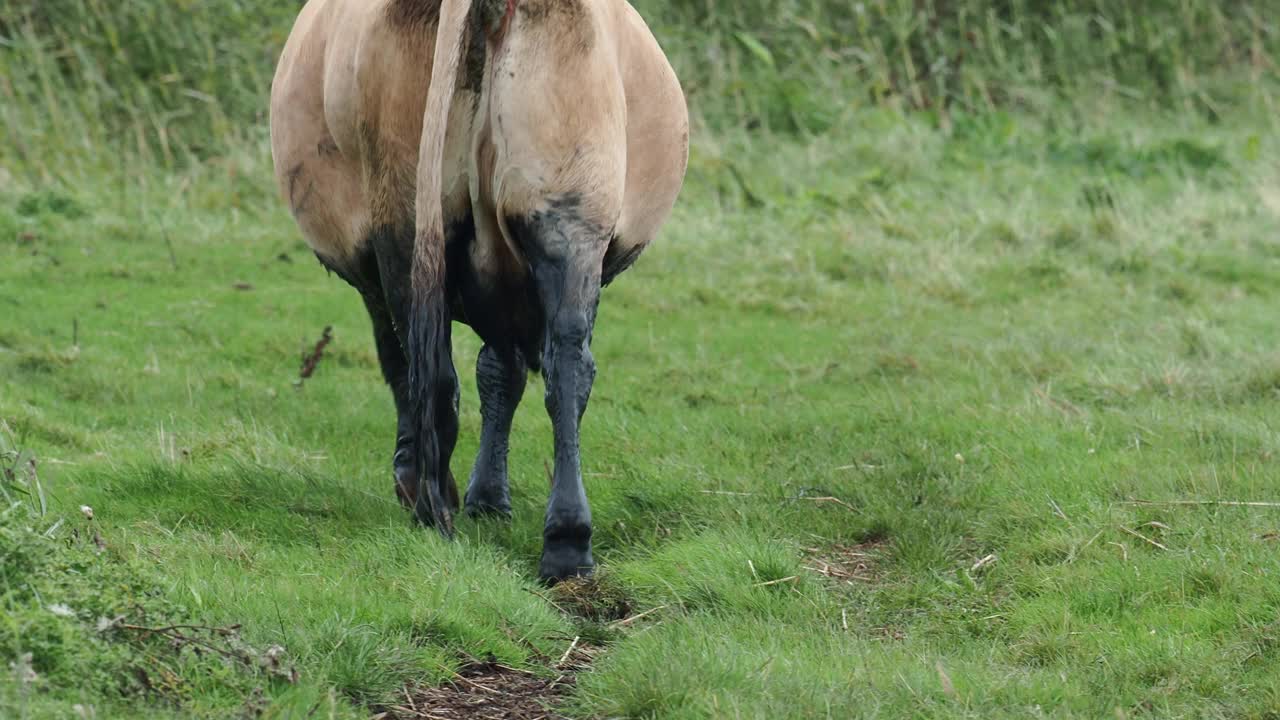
(974, 314)
(982, 342)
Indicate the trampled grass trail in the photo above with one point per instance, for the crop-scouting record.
(899, 422)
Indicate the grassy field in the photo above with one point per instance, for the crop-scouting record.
(919, 415)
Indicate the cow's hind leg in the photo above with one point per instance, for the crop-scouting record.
(500, 380)
(447, 396)
(566, 259)
(395, 370)
(435, 487)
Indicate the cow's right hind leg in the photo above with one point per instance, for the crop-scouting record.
(500, 381)
(568, 284)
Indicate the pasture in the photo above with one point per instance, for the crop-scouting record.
(909, 412)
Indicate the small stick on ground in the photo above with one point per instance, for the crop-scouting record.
(1142, 537)
(555, 682)
(627, 621)
(311, 360)
(983, 562)
(553, 603)
(1228, 503)
(568, 652)
(508, 668)
(227, 630)
(1076, 552)
(1123, 550)
(829, 499)
(180, 638)
(790, 578)
(476, 685)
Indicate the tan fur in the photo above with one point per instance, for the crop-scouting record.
(578, 97)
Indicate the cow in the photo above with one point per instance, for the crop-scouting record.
(494, 163)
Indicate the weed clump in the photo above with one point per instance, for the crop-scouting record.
(81, 620)
(598, 598)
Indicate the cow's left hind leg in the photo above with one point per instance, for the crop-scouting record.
(395, 370)
(448, 395)
(568, 283)
(390, 328)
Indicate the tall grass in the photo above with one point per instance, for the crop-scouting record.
(174, 83)
(794, 65)
(166, 83)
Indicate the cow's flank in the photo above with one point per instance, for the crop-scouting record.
(566, 23)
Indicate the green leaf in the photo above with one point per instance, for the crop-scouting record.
(755, 47)
(1252, 148)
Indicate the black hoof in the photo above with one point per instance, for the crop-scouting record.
(487, 492)
(406, 477)
(486, 503)
(566, 554)
(486, 510)
(406, 489)
(432, 510)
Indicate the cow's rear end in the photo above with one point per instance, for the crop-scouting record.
(499, 160)
(590, 135)
(585, 110)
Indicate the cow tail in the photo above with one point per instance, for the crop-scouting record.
(428, 331)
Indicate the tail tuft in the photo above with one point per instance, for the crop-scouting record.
(428, 331)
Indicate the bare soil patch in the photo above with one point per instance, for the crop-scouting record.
(846, 564)
(492, 691)
(482, 691)
(487, 690)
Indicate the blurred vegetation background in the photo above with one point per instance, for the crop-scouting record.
(93, 82)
